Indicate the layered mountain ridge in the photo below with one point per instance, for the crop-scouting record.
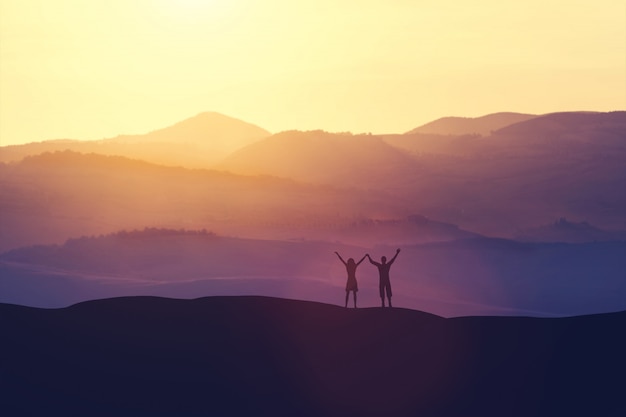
(477, 217)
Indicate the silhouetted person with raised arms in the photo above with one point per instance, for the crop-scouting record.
(351, 285)
(384, 285)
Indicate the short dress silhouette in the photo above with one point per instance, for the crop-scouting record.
(351, 284)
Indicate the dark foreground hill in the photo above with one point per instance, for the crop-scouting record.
(227, 356)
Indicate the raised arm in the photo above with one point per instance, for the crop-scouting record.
(362, 259)
(394, 256)
(341, 259)
(372, 261)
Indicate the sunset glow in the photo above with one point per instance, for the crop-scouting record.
(312, 207)
(88, 70)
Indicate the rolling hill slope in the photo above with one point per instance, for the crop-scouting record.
(52, 197)
(263, 356)
(565, 165)
(363, 161)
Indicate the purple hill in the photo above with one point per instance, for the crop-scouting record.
(232, 356)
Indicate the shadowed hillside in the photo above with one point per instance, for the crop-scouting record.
(422, 145)
(562, 165)
(522, 176)
(274, 357)
(572, 125)
(52, 197)
(363, 161)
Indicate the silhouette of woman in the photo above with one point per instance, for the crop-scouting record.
(351, 284)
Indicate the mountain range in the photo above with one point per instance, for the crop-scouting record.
(491, 202)
(524, 175)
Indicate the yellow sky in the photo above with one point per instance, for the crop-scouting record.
(93, 69)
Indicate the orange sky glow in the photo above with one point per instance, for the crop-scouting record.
(95, 69)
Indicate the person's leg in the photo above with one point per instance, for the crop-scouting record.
(381, 290)
(347, 295)
(389, 293)
(354, 299)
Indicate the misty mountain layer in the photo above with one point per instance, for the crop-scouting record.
(276, 207)
(477, 276)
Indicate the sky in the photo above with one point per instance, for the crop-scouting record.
(95, 69)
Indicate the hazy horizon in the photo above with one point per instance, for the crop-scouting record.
(417, 127)
(93, 70)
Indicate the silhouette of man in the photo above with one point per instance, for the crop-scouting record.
(351, 284)
(384, 285)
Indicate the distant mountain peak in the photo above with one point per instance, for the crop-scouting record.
(211, 117)
(198, 142)
(483, 125)
(202, 126)
(573, 122)
(209, 136)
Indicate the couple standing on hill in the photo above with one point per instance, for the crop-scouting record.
(384, 285)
